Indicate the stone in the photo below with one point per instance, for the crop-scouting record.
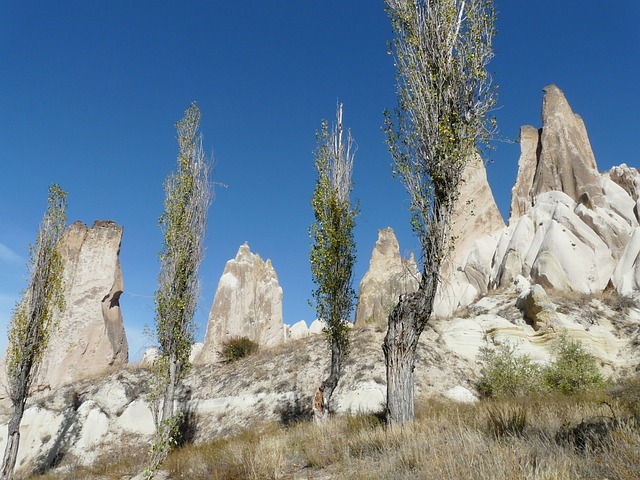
(566, 162)
(461, 394)
(298, 330)
(316, 327)
(537, 308)
(521, 193)
(626, 276)
(388, 277)
(247, 303)
(90, 336)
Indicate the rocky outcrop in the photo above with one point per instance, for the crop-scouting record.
(536, 308)
(106, 416)
(565, 162)
(570, 227)
(521, 193)
(90, 336)
(247, 303)
(388, 277)
(475, 223)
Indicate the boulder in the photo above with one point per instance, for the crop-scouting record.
(388, 277)
(298, 330)
(537, 308)
(247, 303)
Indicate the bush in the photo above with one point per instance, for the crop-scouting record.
(506, 373)
(238, 348)
(573, 370)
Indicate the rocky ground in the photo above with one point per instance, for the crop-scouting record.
(79, 422)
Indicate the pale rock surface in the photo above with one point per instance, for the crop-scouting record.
(566, 162)
(461, 394)
(196, 350)
(149, 356)
(537, 308)
(521, 193)
(106, 416)
(316, 327)
(388, 277)
(90, 336)
(247, 303)
(298, 330)
(475, 224)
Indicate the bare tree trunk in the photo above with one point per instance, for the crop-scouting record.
(399, 349)
(13, 442)
(331, 382)
(406, 323)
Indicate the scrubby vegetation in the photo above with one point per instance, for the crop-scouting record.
(506, 372)
(548, 436)
(238, 348)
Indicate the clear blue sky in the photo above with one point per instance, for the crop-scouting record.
(90, 93)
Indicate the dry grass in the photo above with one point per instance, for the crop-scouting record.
(550, 437)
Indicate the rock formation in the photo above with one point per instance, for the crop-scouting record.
(475, 223)
(570, 227)
(247, 303)
(389, 276)
(90, 336)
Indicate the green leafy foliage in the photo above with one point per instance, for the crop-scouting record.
(238, 348)
(333, 251)
(507, 373)
(183, 224)
(34, 317)
(573, 370)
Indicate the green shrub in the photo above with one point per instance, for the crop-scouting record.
(573, 370)
(507, 373)
(238, 348)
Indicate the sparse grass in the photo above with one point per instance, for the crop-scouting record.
(548, 436)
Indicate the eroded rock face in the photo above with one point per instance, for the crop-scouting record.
(521, 193)
(566, 162)
(388, 277)
(475, 221)
(90, 336)
(570, 227)
(247, 303)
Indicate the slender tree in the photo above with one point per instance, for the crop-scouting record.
(333, 248)
(441, 50)
(183, 224)
(34, 319)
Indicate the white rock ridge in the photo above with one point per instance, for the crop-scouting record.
(247, 303)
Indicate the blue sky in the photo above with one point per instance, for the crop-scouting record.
(90, 93)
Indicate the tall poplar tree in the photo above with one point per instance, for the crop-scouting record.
(34, 318)
(333, 251)
(183, 224)
(441, 50)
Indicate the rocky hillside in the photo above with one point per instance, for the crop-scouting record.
(82, 421)
(565, 263)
